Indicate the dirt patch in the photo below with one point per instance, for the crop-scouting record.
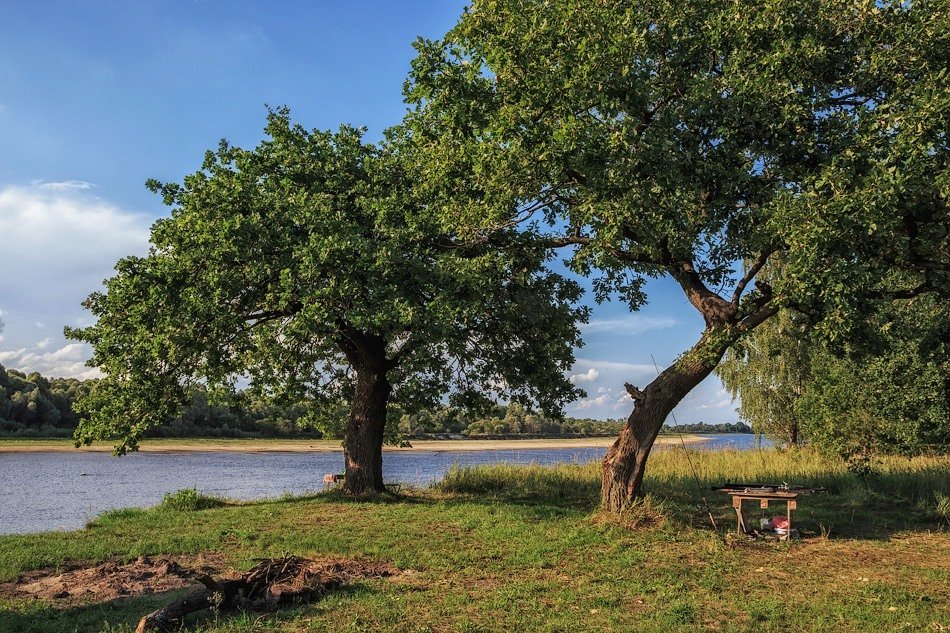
(77, 582)
(84, 583)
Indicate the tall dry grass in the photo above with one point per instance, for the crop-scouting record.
(893, 493)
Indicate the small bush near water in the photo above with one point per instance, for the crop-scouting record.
(189, 500)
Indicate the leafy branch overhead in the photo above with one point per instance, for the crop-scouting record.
(679, 138)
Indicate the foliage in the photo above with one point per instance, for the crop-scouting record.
(885, 390)
(705, 427)
(189, 500)
(767, 373)
(34, 406)
(684, 138)
(511, 419)
(888, 392)
(681, 137)
(305, 263)
(245, 414)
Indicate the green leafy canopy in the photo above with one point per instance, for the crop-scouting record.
(284, 264)
(685, 137)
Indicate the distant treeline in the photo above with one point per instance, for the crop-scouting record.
(703, 427)
(514, 419)
(34, 406)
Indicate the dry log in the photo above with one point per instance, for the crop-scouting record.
(217, 595)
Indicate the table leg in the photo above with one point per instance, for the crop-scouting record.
(740, 522)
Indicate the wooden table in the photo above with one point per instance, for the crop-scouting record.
(764, 494)
(764, 498)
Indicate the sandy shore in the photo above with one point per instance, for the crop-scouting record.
(312, 446)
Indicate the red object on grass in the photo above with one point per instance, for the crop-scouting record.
(780, 523)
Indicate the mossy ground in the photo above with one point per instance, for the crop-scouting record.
(525, 549)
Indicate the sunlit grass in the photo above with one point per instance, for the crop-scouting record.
(524, 548)
(907, 490)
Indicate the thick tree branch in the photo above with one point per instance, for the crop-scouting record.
(362, 350)
(412, 344)
(749, 276)
(715, 309)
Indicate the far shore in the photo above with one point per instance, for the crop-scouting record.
(319, 446)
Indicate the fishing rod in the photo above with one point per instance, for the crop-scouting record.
(699, 486)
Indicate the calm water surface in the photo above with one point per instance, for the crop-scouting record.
(63, 491)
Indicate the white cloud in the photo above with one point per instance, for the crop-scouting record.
(610, 366)
(721, 404)
(62, 242)
(590, 403)
(589, 376)
(65, 185)
(65, 362)
(708, 402)
(630, 324)
(59, 243)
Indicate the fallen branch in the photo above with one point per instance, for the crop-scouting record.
(272, 582)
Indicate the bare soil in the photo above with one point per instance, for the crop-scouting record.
(78, 583)
(82, 582)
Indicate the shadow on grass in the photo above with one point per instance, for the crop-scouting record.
(564, 486)
(123, 614)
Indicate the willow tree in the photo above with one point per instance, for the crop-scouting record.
(685, 138)
(767, 372)
(884, 389)
(309, 267)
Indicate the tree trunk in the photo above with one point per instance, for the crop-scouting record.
(363, 445)
(623, 466)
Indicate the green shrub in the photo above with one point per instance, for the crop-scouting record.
(190, 500)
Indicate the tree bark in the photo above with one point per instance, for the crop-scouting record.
(363, 445)
(624, 465)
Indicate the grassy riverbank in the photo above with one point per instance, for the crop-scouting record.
(524, 549)
(305, 446)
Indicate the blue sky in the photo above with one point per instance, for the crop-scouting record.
(96, 97)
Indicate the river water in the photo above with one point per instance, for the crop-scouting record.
(64, 490)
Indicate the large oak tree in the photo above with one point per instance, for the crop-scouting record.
(310, 267)
(696, 139)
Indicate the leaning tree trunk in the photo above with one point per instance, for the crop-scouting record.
(363, 445)
(623, 466)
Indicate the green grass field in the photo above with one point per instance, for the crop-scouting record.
(524, 549)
